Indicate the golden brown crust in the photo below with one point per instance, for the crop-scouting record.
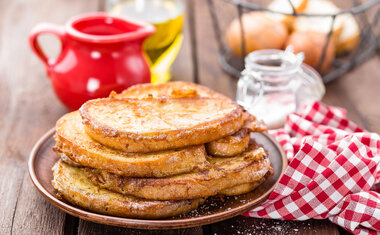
(147, 125)
(224, 173)
(74, 187)
(245, 188)
(253, 124)
(73, 143)
(235, 144)
(241, 189)
(173, 89)
(230, 145)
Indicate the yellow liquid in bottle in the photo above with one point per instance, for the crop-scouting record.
(163, 46)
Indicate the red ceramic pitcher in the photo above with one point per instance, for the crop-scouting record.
(99, 54)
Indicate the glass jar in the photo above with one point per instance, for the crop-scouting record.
(276, 83)
(163, 46)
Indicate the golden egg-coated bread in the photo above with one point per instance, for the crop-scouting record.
(174, 89)
(229, 146)
(224, 173)
(245, 188)
(73, 143)
(225, 147)
(235, 144)
(73, 186)
(147, 125)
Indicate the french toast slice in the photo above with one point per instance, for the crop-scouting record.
(73, 186)
(178, 89)
(154, 124)
(224, 173)
(245, 188)
(229, 146)
(235, 144)
(226, 147)
(242, 188)
(73, 143)
(175, 89)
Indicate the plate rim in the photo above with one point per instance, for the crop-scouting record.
(148, 224)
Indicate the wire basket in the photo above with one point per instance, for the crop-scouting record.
(366, 13)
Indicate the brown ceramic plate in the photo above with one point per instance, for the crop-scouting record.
(42, 158)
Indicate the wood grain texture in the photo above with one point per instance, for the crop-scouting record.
(35, 214)
(29, 108)
(210, 72)
(335, 96)
(252, 226)
(183, 68)
(358, 92)
(95, 229)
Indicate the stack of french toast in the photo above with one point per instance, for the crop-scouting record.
(157, 151)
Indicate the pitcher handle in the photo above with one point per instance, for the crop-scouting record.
(247, 81)
(57, 30)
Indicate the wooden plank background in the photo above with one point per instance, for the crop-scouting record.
(29, 108)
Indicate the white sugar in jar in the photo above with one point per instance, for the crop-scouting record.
(276, 83)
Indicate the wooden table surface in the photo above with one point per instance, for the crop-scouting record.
(29, 108)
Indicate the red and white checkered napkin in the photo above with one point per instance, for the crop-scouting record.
(333, 167)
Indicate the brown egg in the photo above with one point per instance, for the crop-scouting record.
(260, 32)
(312, 44)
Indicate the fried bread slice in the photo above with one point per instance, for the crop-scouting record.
(235, 144)
(241, 189)
(226, 147)
(245, 188)
(174, 89)
(153, 124)
(253, 124)
(178, 89)
(72, 142)
(229, 146)
(224, 173)
(74, 187)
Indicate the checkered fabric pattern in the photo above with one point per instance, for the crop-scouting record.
(333, 171)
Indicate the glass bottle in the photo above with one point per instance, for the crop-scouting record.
(163, 46)
(276, 83)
